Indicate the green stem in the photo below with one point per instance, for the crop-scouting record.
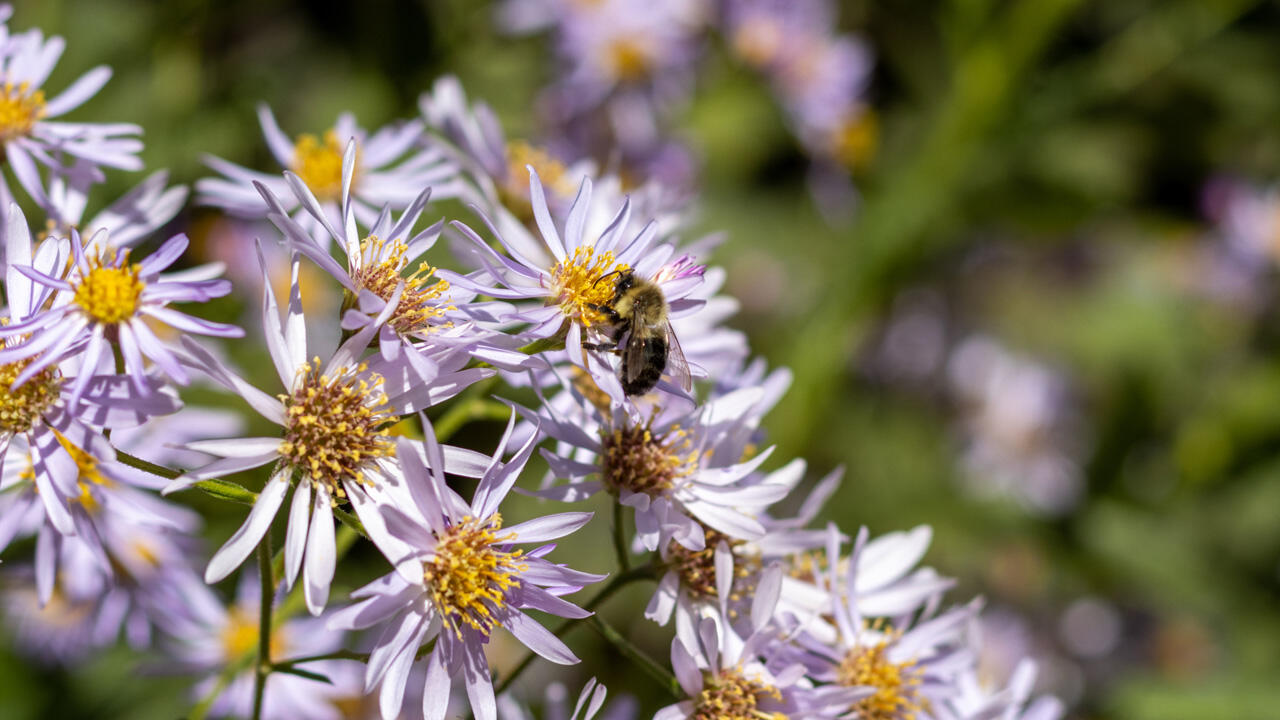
(616, 584)
(146, 466)
(650, 666)
(263, 666)
(619, 538)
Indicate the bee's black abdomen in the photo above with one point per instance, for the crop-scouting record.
(654, 361)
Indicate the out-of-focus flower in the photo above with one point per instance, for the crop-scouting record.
(106, 298)
(1022, 439)
(132, 217)
(392, 167)
(589, 703)
(336, 440)
(205, 637)
(457, 579)
(29, 137)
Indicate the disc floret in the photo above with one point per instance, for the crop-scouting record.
(20, 110)
(639, 460)
(576, 284)
(469, 577)
(336, 426)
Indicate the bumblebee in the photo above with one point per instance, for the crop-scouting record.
(639, 312)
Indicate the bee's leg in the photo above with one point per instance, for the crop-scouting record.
(601, 347)
(608, 312)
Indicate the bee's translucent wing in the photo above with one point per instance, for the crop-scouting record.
(633, 356)
(677, 366)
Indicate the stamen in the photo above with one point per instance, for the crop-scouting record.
(468, 577)
(24, 406)
(336, 427)
(636, 459)
(897, 695)
(419, 301)
(578, 284)
(731, 695)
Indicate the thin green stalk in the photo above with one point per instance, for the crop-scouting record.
(650, 666)
(262, 667)
(337, 655)
(145, 466)
(619, 538)
(617, 583)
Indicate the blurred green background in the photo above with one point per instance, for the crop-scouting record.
(1038, 183)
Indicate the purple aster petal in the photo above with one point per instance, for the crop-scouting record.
(321, 555)
(539, 639)
(267, 406)
(233, 553)
(542, 215)
(497, 481)
(436, 687)
(167, 255)
(295, 540)
(34, 274)
(479, 685)
(535, 598)
(396, 640)
(277, 141)
(133, 359)
(664, 599)
(686, 669)
(577, 216)
(386, 596)
(549, 527)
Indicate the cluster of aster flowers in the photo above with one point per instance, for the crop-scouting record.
(772, 617)
(629, 66)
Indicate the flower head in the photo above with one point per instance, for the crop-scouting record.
(459, 577)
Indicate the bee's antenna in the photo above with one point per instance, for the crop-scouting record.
(612, 272)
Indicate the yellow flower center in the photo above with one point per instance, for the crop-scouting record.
(697, 568)
(854, 142)
(240, 637)
(629, 60)
(20, 110)
(897, 695)
(514, 192)
(419, 302)
(319, 164)
(110, 294)
(22, 407)
(336, 427)
(636, 459)
(468, 578)
(731, 695)
(578, 283)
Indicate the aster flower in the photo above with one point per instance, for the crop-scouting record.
(43, 412)
(458, 578)
(1012, 702)
(56, 631)
(392, 167)
(205, 637)
(726, 675)
(905, 664)
(336, 443)
(1021, 438)
(680, 471)
(29, 137)
(107, 298)
(374, 271)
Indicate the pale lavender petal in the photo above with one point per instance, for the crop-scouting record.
(321, 556)
(233, 553)
(295, 539)
(549, 527)
(539, 639)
